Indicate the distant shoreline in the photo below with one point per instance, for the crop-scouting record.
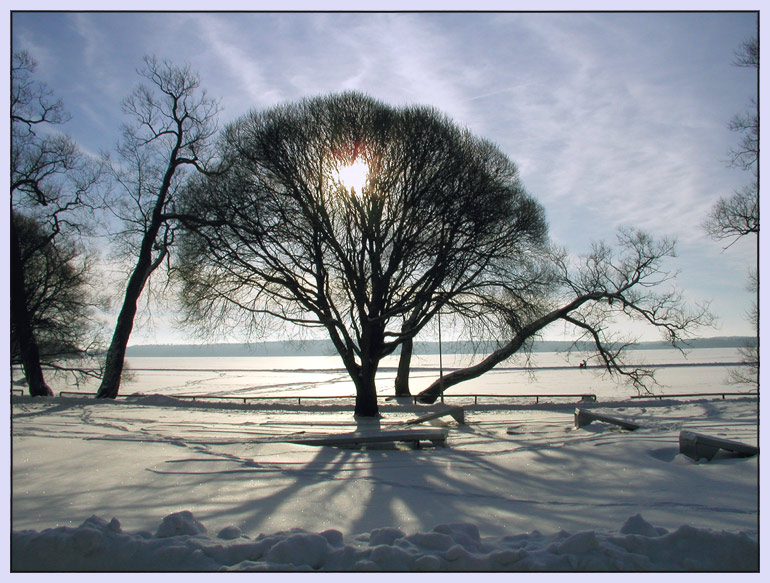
(447, 369)
(325, 348)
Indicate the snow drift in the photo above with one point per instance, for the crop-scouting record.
(181, 543)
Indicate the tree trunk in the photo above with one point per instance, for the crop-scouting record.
(366, 392)
(404, 363)
(436, 388)
(113, 366)
(30, 355)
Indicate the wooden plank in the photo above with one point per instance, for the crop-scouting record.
(435, 436)
(584, 417)
(698, 446)
(457, 413)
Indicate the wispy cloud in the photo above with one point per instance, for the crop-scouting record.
(615, 137)
(234, 52)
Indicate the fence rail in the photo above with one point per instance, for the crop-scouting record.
(678, 395)
(300, 398)
(415, 398)
(580, 397)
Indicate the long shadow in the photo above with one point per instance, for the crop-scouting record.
(376, 487)
(49, 410)
(525, 496)
(441, 476)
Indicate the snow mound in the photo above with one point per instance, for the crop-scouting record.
(181, 544)
(179, 523)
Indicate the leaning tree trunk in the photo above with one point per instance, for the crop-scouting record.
(436, 389)
(116, 354)
(22, 325)
(404, 363)
(145, 265)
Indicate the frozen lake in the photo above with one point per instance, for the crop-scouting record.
(702, 370)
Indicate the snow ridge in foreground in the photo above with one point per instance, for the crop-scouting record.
(181, 543)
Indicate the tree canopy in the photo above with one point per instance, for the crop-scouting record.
(738, 215)
(281, 231)
(59, 295)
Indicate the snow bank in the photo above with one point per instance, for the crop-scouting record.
(181, 543)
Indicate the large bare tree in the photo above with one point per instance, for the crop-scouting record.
(173, 122)
(344, 213)
(51, 182)
(629, 281)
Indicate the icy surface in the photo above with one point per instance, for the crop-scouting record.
(209, 486)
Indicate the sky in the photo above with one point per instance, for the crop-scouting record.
(614, 119)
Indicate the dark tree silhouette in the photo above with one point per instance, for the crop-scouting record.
(284, 232)
(606, 284)
(50, 181)
(173, 123)
(60, 299)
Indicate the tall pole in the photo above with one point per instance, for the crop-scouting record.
(440, 357)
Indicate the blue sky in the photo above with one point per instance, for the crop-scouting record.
(613, 119)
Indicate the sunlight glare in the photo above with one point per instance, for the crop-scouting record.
(353, 176)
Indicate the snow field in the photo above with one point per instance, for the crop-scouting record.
(518, 488)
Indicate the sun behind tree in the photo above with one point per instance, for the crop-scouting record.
(353, 176)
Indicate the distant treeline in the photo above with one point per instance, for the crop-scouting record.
(325, 347)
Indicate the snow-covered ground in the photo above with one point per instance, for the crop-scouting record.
(155, 483)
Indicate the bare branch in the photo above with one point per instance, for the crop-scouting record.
(607, 283)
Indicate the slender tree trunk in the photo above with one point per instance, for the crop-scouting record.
(113, 366)
(116, 354)
(30, 355)
(404, 363)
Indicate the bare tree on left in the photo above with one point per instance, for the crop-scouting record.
(62, 297)
(51, 183)
(173, 122)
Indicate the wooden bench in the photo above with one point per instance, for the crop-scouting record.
(697, 446)
(457, 413)
(584, 417)
(436, 436)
